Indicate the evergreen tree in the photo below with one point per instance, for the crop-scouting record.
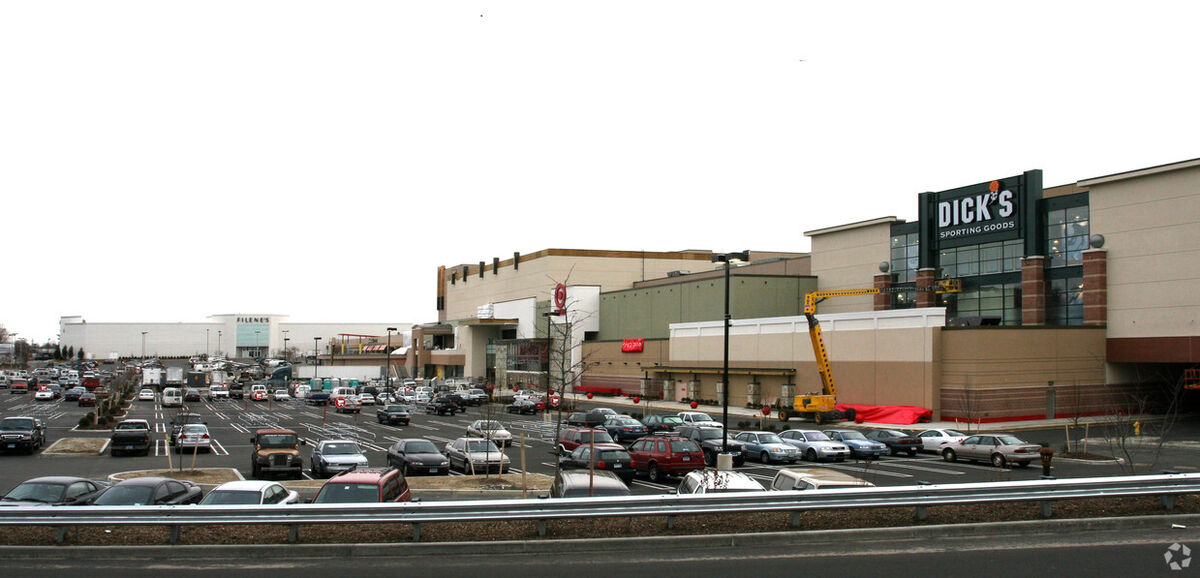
(79, 355)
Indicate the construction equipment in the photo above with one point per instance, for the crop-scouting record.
(821, 408)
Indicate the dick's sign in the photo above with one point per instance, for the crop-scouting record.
(980, 213)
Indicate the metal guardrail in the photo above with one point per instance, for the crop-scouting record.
(416, 513)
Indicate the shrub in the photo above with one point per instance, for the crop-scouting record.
(86, 421)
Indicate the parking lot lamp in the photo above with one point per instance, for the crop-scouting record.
(727, 259)
(387, 369)
(144, 345)
(284, 332)
(316, 354)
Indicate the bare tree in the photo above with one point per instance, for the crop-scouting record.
(1139, 443)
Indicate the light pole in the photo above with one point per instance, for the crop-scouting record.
(284, 332)
(218, 341)
(316, 355)
(727, 258)
(206, 333)
(257, 343)
(387, 370)
(286, 357)
(144, 345)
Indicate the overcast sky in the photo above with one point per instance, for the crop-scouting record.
(164, 161)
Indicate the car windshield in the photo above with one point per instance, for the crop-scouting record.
(37, 492)
(710, 434)
(341, 448)
(16, 424)
(599, 436)
(347, 494)
(955, 433)
(891, 433)
(277, 440)
(700, 417)
(815, 436)
(769, 439)
(613, 455)
(672, 420)
(395, 408)
(627, 421)
(684, 446)
(482, 446)
(125, 496)
(488, 425)
(132, 425)
(195, 428)
(852, 435)
(420, 448)
(1010, 440)
(231, 497)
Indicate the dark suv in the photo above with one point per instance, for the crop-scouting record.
(666, 455)
(710, 440)
(22, 433)
(441, 405)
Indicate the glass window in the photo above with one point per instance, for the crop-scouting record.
(904, 257)
(1064, 303)
(1067, 236)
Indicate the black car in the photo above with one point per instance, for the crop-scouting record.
(417, 456)
(711, 440)
(191, 395)
(585, 419)
(625, 428)
(610, 456)
(22, 433)
(442, 405)
(657, 423)
(393, 414)
(897, 441)
(522, 406)
(150, 491)
(57, 490)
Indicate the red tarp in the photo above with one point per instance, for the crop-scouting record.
(892, 414)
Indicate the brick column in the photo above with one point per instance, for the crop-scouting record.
(883, 282)
(926, 279)
(1033, 290)
(1095, 287)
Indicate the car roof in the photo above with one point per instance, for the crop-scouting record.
(362, 475)
(274, 431)
(602, 478)
(759, 432)
(824, 476)
(338, 441)
(727, 479)
(604, 446)
(146, 481)
(245, 486)
(59, 480)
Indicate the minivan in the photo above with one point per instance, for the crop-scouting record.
(172, 397)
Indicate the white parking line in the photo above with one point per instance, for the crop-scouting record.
(652, 485)
(867, 471)
(447, 424)
(424, 427)
(922, 468)
(219, 449)
(105, 448)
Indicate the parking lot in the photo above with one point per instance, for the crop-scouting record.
(232, 422)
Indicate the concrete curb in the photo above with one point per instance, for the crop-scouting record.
(409, 549)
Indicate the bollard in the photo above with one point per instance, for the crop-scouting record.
(1168, 501)
(670, 522)
(1046, 508)
(416, 531)
(1047, 456)
(922, 515)
(541, 525)
(293, 534)
(795, 519)
(174, 535)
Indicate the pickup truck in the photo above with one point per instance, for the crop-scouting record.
(237, 390)
(130, 436)
(316, 397)
(22, 433)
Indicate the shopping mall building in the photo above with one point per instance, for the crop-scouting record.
(1003, 300)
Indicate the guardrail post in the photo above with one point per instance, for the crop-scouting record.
(670, 522)
(174, 535)
(1046, 508)
(795, 521)
(922, 515)
(1168, 501)
(416, 531)
(541, 528)
(293, 533)
(62, 534)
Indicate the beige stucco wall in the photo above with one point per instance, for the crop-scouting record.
(1151, 226)
(849, 258)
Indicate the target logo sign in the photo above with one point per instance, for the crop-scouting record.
(1178, 556)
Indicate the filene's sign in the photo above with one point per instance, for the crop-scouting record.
(253, 319)
(978, 216)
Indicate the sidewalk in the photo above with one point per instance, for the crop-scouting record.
(741, 413)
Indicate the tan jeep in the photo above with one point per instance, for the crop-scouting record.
(276, 451)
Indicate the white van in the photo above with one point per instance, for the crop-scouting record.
(172, 397)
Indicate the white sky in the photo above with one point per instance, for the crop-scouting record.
(163, 161)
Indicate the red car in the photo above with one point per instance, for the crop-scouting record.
(88, 398)
(573, 437)
(365, 486)
(659, 456)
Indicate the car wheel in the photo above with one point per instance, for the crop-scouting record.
(893, 452)
(254, 470)
(404, 470)
(764, 458)
(653, 474)
(912, 453)
(998, 460)
(710, 458)
(1022, 464)
(949, 456)
(811, 455)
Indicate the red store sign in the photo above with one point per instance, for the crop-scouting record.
(632, 345)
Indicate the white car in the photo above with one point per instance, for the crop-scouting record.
(713, 482)
(44, 395)
(527, 395)
(932, 440)
(490, 429)
(146, 394)
(282, 395)
(250, 492)
(815, 445)
(698, 418)
(366, 399)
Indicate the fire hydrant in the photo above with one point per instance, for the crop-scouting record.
(1137, 428)
(1047, 456)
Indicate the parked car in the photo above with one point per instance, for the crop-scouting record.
(365, 486)
(585, 419)
(999, 449)
(475, 455)
(331, 457)
(698, 418)
(250, 492)
(490, 429)
(192, 395)
(21, 433)
(441, 405)
(74, 393)
(813, 445)
(657, 423)
(55, 490)
(815, 479)
(767, 447)
(183, 419)
(276, 451)
(172, 397)
(193, 437)
(218, 391)
(860, 446)
(711, 441)
(476, 396)
(584, 483)
(714, 482)
(346, 404)
(659, 456)
(87, 399)
(43, 395)
(150, 491)
(571, 438)
(611, 457)
(364, 399)
(932, 440)
(523, 406)
(130, 436)
(146, 394)
(897, 441)
(392, 414)
(282, 395)
(624, 428)
(414, 456)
